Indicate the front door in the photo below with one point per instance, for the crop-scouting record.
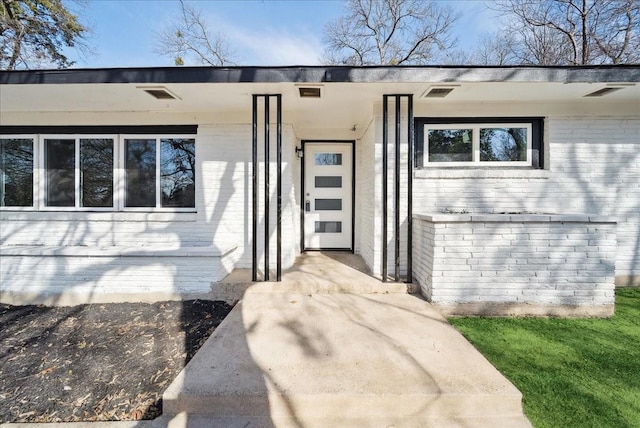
(328, 195)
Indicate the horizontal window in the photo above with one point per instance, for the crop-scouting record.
(328, 204)
(328, 227)
(328, 181)
(82, 172)
(473, 142)
(328, 159)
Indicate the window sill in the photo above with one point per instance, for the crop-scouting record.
(462, 173)
(110, 216)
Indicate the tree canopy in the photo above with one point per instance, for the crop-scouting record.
(34, 34)
(389, 32)
(565, 32)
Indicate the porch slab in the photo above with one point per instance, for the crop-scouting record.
(313, 272)
(297, 359)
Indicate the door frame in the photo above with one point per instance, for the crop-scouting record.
(352, 143)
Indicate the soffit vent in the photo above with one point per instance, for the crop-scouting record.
(160, 93)
(309, 92)
(438, 92)
(602, 92)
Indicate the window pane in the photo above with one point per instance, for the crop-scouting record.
(96, 172)
(450, 145)
(328, 226)
(60, 165)
(328, 181)
(328, 204)
(177, 172)
(328, 159)
(140, 173)
(503, 144)
(16, 172)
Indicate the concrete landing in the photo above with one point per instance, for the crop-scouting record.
(307, 360)
(312, 272)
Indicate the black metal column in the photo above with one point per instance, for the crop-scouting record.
(411, 132)
(254, 187)
(385, 178)
(267, 185)
(397, 99)
(279, 185)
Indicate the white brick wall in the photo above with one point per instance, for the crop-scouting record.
(366, 189)
(223, 219)
(513, 260)
(594, 168)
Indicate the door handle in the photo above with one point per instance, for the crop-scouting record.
(307, 206)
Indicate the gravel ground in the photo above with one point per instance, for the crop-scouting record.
(103, 362)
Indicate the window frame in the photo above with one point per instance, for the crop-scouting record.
(119, 166)
(34, 171)
(535, 143)
(42, 172)
(123, 173)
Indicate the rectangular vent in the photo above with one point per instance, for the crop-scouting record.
(159, 93)
(437, 92)
(309, 92)
(602, 92)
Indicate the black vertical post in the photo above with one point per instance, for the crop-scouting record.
(254, 197)
(266, 188)
(279, 185)
(410, 130)
(385, 137)
(396, 207)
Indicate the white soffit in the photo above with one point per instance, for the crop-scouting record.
(212, 97)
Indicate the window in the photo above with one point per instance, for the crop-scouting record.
(159, 172)
(79, 172)
(448, 142)
(95, 168)
(16, 172)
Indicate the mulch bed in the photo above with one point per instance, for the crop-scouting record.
(97, 362)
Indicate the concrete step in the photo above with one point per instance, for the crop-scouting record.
(190, 421)
(313, 273)
(297, 357)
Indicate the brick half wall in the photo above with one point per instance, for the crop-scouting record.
(521, 264)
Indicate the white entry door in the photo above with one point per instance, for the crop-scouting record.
(328, 195)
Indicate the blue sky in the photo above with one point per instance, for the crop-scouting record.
(263, 32)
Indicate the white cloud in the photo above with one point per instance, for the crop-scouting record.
(275, 46)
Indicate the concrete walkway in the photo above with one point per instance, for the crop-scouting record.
(331, 346)
(328, 357)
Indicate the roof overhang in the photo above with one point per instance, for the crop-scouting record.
(322, 74)
(347, 95)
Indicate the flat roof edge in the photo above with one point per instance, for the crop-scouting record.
(324, 74)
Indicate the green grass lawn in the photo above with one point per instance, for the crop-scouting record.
(571, 372)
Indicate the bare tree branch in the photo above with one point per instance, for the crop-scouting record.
(389, 32)
(189, 39)
(560, 32)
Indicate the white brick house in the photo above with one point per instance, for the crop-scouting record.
(509, 189)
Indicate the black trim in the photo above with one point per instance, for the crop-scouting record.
(267, 190)
(385, 179)
(318, 74)
(101, 129)
(396, 194)
(267, 186)
(279, 186)
(410, 130)
(397, 99)
(353, 194)
(537, 134)
(254, 188)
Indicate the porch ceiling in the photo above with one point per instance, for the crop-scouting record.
(342, 105)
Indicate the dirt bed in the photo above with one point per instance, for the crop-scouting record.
(97, 362)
